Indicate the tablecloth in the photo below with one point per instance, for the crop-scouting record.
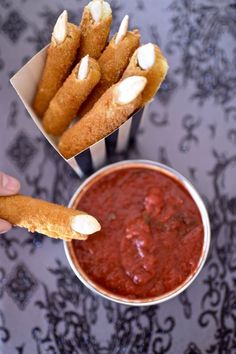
(191, 126)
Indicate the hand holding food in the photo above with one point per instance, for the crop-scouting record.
(47, 218)
(95, 28)
(109, 112)
(67, 101)
(60, 57)
(148, 61)
(113, 62)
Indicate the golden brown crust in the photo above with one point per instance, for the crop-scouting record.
(60, 58)
(101, 120)
(37, 215)
(155, 75)
(113, 62)
(94, 36)
(67, 101)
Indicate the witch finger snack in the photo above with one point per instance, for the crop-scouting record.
(67, 101)
(95, 28)
(61, 54)
(47, 218)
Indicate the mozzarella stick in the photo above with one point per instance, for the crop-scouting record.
(46, 218)
(67, 101)
(60, 57)
(113, 62)
(112, 109)
(148, 61)
(95, 28)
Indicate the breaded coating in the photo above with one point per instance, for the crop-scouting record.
(60, 58)
(67, 101)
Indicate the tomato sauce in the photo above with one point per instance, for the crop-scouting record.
(151, 239)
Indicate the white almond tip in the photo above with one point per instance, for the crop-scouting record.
(85, 224)
(83, 68)
(60, 28)
(129, 89)
(99, 10)
(122, 30)
(146, 56)
(96, 10)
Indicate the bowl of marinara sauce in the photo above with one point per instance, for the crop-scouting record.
(154, 238)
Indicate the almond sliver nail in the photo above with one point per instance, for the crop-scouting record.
(85, 224)
(122, 29)
(60, 28)
(96, 10)
(129, 89)
(146, 56)
(84, 68)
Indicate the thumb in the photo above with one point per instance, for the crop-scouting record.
(8, 185)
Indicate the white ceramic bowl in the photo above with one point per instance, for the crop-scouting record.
(195, 196)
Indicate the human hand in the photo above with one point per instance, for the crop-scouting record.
(8, 186)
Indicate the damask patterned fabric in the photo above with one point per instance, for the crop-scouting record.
(191, 127)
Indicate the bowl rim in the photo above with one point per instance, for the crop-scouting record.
(205, 221)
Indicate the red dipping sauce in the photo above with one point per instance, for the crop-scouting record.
(152, 234)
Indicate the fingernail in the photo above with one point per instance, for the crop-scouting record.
(10, 183)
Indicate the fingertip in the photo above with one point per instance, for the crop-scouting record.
(16, 185)
(13, 185)
(5, 226)
(8, 185)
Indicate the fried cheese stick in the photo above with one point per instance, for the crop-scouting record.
(112, 109)
(67, 101)
(95, 28)
(60, 57)
(148, 61)
(113, 62)
(49, 219)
